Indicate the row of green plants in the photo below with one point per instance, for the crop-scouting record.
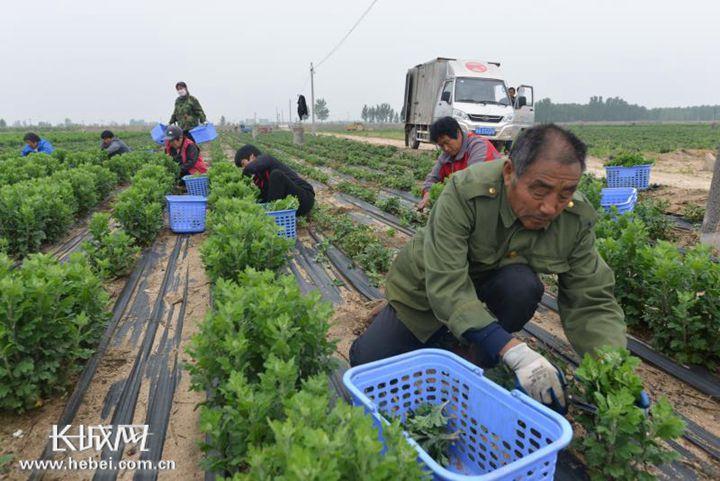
(115, 244)
(263, 354)
(139, 209)
(41, 210)
(51, 316)
(671, 293)
(71, 141)
(357, 241)
(385, 165)
(52, 313)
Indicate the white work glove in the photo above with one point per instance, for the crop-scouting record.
(537, 377)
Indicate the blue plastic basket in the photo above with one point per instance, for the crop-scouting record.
(622, 198)
(203, 133)
(158, 133)
(286, 219)
(637, 176)
(503, 435)
(197, 185)
(186, 213)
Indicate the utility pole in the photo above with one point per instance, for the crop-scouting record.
(289, 112)
(709, 233)
(312, 96)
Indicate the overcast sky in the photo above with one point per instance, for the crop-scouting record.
(96, 61)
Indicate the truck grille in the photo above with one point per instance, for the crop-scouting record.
(486, 118)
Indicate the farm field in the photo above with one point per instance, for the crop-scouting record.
(604, 140)
(229, 343)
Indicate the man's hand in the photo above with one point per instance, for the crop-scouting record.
(423, 203)
(537, 377)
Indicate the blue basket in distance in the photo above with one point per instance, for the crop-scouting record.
(197, 185)
(622, 198)
(186, 213)
(637, 176)
(504, 435)
(203, 133)
(158, 133)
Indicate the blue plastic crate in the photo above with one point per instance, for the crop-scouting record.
(203, 133)
(622, 198)
(287, 219)
(186, 213)
(503, 435)
(637, 176)
(197, 185)
(158, 133)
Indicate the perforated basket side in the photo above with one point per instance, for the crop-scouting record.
(186, 213)
(287, 220)
(637, 176)
(504, 436)
(197, 185)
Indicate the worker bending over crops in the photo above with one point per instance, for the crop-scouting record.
(112, 145)
(459, 150)
(34, 144)
(471, 275)
(274, 179)
(188, 112)
(184, 151)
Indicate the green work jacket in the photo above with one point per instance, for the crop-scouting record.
(472, 230)
(188, 113)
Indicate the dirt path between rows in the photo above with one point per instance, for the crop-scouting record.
(378, 141)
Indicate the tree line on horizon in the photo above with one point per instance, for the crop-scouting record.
(617, 109)
(381, 113)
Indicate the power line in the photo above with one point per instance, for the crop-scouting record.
(347, 34)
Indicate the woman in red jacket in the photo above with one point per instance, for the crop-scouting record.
(184, 151)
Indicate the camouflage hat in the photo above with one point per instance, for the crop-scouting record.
(173, 133)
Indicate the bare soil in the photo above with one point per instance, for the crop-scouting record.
(378, 140)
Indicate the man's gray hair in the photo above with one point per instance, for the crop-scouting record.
(567, 147)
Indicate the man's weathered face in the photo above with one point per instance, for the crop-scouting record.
(511, 91)
(176, 143)
(449, 145)
(543, 191)
(33, 145)
(106, 142)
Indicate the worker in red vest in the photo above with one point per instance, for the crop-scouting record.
(459, 150)
(184, 151)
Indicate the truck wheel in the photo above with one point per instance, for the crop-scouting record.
(411, 140)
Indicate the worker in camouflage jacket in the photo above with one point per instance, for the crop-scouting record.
(188, 112)
(471, 275)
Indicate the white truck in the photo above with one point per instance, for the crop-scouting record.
(473, 92)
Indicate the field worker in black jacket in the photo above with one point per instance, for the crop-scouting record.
(274, 179)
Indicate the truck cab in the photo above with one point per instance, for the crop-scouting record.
(473, 92)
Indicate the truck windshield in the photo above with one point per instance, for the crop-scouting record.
(481, 91)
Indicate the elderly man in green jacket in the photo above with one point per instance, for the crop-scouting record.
(471, 273)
